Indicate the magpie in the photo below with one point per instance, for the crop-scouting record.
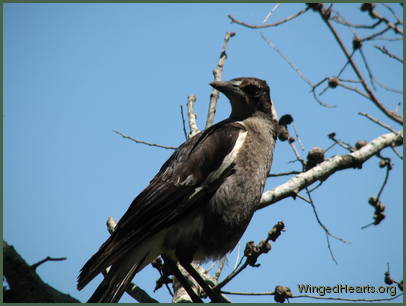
(199, 204)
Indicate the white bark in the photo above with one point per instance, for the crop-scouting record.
(328, 167)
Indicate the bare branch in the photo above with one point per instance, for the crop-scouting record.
(297, 70)
(354, 89)
(296, 152)
(297, 137)
(370, 93)
(370, 75)
(328, 167)
(385, 51)
(390, 9)
(387, 38)
(217, 73)
(183, 121)
(396, 152)
(339, 19)
(193, 130)
(276, 6)
(380, 84)
(325, 229)
(377, 121)
(385, 181)
(375, 14)
(36, 265)
(231, 276)
(262, 26)
(375, 35)
(25, 284)
(144, 142)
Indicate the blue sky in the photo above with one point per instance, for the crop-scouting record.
(74, 72)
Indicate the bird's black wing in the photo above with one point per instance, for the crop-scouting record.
(188, 179)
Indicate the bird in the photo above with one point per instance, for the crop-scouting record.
(202, 199)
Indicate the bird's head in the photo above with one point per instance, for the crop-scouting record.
(247, 96)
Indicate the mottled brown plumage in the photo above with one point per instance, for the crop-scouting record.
(200, 202)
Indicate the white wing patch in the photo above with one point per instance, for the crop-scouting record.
(230, 157)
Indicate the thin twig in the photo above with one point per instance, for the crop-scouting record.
(341, 143)
(217, 73)
(377, 121)
(296, 152)
(375, 35)
(231, 276)
(262, 26)
(358, 91)
(370, 93)
(325, 229)
(330, 147)
(339, 19)
(36, 265)
(348, 80)
(317, 186)
(297, 137)
(183, 121)
(385, 181)
(396, 153)
(375, 14)
(318, 99)
(303, 198)
(276, 6)
(297, 70)
(370, 75)
(388, 38)
(385, 51)
(380, 84)
(144, 142)
(398, 21)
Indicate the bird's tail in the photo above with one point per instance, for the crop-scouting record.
(123, 270)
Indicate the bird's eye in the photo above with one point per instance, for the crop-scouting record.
(251, 90)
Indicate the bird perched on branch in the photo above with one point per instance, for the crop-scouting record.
(199, 204)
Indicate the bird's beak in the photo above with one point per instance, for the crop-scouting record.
(221, 85)
(228, 88)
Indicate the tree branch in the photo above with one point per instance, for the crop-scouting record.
(372, 96)
(217, 73)
(144, 142)
(25, 284)
(36, 265)
(193, 130)
(262, 26)
(328, 167)
(385, 51)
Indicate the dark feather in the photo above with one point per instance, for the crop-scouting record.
(165, 200)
